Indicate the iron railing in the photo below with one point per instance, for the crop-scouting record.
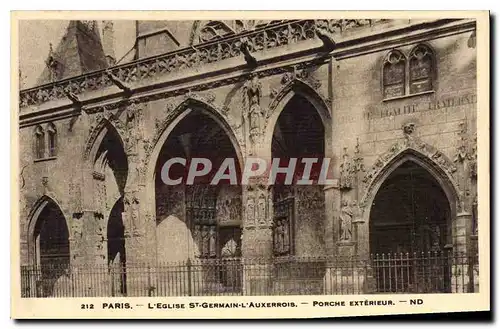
(430, 272)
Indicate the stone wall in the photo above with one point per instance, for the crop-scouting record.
(346, 91)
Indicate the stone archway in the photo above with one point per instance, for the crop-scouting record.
(410, 213)
(194, 222)
(49, 247)
(408, 218)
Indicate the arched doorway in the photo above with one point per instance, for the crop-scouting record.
(199, 223)
(410, 232)
(299, 210)
(51, 249)
(110, 171)
(299, 133)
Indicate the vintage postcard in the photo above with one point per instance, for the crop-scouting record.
(249, 165)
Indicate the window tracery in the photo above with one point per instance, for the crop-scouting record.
(39, 143)
(404, 76)
(421, 69)
(52, 140)
(394, 72)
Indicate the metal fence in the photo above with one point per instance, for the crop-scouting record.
(431, 272)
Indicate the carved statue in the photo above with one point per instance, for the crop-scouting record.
(261, 210)
(205, 241)
(346, 172)
(196, 238)
(286, 236)
(212, 241)
(230, 249)
(346, 215)
(135, 216)
(255, 116)
(278, 242)
(473, 164)
(76, 228)
(250, 215)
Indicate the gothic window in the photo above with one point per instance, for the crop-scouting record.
(52, 140)
(39, 143)
(394, 74)
(421, 69)
(408, 76)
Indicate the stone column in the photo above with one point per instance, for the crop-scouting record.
(88, 243)
(460, 263)
(257, 238)
(139, 224)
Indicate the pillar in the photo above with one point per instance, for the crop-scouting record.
(460, 260)
(88, 241)
(139, 222)
(257, 238)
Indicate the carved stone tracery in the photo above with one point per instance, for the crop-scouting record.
(228, 46)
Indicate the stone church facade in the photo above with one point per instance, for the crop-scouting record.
(392, 103)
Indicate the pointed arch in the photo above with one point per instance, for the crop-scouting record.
(394, 74)
(174, 118)
(421, 69)
(291, 89)
(422, 154)
(97, 134)
(33, 221)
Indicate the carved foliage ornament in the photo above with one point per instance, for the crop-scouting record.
(298, 78)
(101, 119)
(414, 143)
(350, 168)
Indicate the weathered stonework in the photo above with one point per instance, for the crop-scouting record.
(239, 76)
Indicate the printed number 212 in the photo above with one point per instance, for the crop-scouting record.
(87, 306)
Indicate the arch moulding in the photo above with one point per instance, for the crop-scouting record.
(294, 87)
(175, 115)
(418, 151)
(105, 121)
(34, 215)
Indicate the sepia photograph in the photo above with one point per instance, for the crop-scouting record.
(223, 158)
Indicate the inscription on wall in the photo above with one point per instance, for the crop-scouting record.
(386, 111)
